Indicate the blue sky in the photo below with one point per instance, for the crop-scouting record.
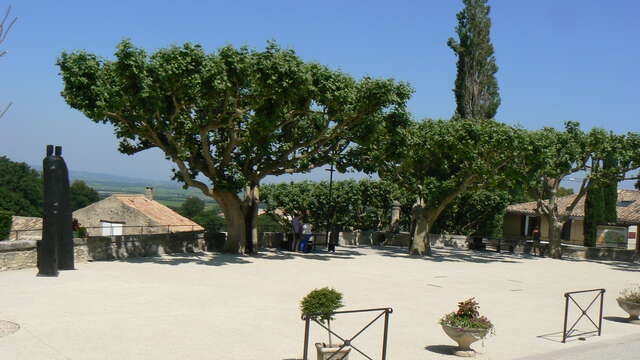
(558, 60)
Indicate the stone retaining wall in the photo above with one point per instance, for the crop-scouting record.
(22, 254)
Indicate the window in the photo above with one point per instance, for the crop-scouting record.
(111, 228)
(528, 224)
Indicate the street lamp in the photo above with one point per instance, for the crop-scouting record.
(330, 246)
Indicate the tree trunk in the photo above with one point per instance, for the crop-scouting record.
(235, 219)
(250, 208)
(420, 244)
(241, 217)
(555, 231)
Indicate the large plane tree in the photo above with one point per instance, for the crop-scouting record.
(437, 161)
(230, 118)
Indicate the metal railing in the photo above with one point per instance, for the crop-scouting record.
(348, 341)
(569, 296)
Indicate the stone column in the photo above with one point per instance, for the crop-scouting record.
(395, 217)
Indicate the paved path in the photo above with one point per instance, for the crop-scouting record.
(223, 307)
(622, 348)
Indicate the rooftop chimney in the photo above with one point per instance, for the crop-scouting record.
(148, 192)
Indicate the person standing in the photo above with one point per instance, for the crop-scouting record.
(536, 241)
(296, 225)
(307, 233)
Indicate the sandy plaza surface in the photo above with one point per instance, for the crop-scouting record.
(219, 306)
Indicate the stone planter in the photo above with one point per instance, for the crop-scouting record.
(325, 352)
(633, 309)
(464, 338)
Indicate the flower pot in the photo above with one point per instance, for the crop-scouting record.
(464, 338)
(633, 309)
(326, 352)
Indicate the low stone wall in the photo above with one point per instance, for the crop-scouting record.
(127, 246)
(21, 254)
(436, 240)
(570, 251)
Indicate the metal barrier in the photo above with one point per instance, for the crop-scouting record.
(348, 342)
(566, 333)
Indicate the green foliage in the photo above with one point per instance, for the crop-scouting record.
(265, 112)
(478, 212)
(82, 232)
(443, 159)
(5, 224)
(476, 87)
(210, 220)
(600, 203)
(321, 301)
(593, 213)
(610, 193)
(82, 195)
(467, 317)
(267, 223)
(21, 188)
(356, 205)
(233, 116)
(191, 207)
(631, 295)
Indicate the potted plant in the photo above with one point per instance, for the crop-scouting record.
(318, 305)
(466, 326)
(629, 301)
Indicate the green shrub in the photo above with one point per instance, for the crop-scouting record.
(5, 224)
(467, 317)
(321, 301)
(631, 295)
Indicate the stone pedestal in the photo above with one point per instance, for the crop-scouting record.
(325, 352)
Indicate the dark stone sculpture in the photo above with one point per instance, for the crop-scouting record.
(55, 250)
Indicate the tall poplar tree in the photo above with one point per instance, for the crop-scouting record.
(594, 213)
(476, 87)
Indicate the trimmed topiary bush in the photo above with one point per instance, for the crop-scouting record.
(319, 303)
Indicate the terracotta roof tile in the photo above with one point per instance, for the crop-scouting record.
(159, 213)
(626, 214)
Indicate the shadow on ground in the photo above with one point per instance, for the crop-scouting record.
(220, 259)
(617, 319)
(615, 265)
(576, 335)
(457, 255)
(441, 349)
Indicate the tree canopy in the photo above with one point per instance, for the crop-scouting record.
(233, 116)
(82, 195)
(562, 153)
(367, 202)
(20, 188)
(476, 87)
(435, 161)
(191, 207)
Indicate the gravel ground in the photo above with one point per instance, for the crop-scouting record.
(214, 306)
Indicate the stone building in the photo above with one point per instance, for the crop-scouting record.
(521, 219)
(132, 214)
(25, 228)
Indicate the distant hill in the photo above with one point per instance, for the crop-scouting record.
(167, 192)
